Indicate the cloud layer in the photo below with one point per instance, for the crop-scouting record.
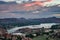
(46, 2)
(30, 10)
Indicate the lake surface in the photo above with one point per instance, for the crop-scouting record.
(45, 25)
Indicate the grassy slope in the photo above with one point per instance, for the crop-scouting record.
(41, 38)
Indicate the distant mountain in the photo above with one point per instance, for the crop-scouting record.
(23, 20)
(49, 20)
(11, 22)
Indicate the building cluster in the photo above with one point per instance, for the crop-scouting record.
(4, 35)
(21, 33)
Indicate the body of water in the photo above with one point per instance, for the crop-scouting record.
(45, 25)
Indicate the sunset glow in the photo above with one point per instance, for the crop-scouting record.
(30, 8)
(28, 5)
(37, 2)
(49, 0)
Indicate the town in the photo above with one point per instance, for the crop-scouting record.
(31, 33)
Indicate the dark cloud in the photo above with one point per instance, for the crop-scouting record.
(20, 10)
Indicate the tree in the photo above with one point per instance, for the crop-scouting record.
(30, 35)
(42, 30)
(55, 27)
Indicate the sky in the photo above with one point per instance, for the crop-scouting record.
(49, 2)
(32, 10)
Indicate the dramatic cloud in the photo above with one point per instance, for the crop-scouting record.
(8, 0)
(35, 9)
(45, 2)
(56, 15)
(52, 3)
